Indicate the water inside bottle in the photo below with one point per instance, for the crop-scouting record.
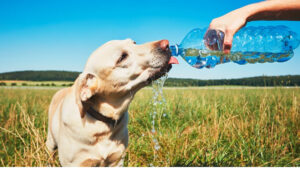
(206, 58)
(158, 107)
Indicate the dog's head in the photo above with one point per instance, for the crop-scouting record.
(117, 70)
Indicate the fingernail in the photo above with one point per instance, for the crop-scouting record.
(227, 48)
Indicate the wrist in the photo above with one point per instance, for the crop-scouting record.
(248, 12)
(245, 13)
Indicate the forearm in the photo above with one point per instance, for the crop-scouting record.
(231, 22)
(271, 10)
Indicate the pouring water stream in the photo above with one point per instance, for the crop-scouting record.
(159, 104)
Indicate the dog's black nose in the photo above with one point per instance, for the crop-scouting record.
(164, 44)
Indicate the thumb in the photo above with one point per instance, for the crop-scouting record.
(227, 42)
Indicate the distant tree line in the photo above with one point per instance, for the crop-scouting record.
(288, 80)
(41, 84)
(40, 75)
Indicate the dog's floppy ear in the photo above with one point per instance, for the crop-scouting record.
(86, 87)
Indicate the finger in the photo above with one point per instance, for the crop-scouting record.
(227, 42)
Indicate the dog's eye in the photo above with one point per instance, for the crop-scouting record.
(123, 57)
(134, 42)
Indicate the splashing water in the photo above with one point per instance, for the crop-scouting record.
(159, 103)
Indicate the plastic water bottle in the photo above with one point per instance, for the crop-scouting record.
(250, 45)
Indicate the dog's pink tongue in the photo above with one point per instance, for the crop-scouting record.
(173, 60)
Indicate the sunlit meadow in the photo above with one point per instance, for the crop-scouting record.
(202, 127)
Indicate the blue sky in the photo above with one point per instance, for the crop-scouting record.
(60, 35)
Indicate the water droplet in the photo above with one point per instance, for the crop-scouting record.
(157, 147)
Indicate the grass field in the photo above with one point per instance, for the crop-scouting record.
(203, 127)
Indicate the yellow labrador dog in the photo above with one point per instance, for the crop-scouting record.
(88, 121)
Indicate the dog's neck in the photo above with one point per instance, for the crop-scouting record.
(98, 116)
(111, 108)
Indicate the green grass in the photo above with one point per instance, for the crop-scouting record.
(203, 127)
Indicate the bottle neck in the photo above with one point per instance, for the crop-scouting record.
(174, 50)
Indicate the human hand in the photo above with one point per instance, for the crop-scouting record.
(225, 27)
